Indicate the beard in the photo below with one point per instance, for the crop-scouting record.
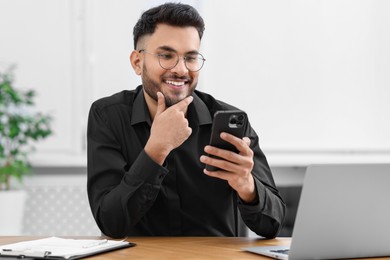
(151, 87)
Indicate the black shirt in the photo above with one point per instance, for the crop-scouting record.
(131, 195)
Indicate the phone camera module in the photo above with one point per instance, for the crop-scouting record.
(236, 121)
(233, 120)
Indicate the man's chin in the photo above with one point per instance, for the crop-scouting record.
(170, 101)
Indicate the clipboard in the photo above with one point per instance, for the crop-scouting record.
(60, 248)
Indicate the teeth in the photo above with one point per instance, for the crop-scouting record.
(176, 83)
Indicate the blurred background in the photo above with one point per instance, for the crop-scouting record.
(313, 77)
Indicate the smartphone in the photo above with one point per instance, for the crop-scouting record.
(229, 121)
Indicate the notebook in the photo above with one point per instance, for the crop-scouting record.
(60, 248)
(343, 212)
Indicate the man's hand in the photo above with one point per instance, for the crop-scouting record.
(169, 129)
(235, 168)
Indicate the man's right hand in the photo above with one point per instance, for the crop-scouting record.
(169, 130)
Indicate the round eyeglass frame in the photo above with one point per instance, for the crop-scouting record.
(177, 60)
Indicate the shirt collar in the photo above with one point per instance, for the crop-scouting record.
(198, 112)
(140, 111)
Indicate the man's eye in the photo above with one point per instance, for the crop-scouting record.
(191, 58)
(165, 56)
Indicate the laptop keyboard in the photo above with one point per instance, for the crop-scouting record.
(281, 251)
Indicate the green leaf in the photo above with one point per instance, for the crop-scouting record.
(18, 129)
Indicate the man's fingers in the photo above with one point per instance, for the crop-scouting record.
(247, 140)
(242, 145)
(180, 106)
(160, 103)
(183, 104)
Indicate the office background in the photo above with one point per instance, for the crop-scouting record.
(313, 77)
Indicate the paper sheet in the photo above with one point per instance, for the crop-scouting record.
(54, 246)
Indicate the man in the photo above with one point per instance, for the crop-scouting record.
(147, 148)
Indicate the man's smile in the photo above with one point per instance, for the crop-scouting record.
(177, 83)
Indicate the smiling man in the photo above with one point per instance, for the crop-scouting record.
(147, 147)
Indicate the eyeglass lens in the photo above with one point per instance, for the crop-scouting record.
(169, 60)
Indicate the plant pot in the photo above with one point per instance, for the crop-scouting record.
(12, 210)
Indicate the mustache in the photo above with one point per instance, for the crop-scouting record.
(173, 76)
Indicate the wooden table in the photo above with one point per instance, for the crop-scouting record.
(181, 247)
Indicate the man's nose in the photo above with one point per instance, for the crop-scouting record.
(180, 67)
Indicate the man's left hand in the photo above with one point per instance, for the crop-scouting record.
(235, 168)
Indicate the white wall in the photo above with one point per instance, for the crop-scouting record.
(312, 75)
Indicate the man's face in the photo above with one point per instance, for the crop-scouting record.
(176, 83)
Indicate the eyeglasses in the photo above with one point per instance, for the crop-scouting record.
(169, 59)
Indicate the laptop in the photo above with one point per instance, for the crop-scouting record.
(343, 212)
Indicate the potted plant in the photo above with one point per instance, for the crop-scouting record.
(20, 127)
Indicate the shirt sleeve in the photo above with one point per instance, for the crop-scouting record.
(265, 217)
(113, 186)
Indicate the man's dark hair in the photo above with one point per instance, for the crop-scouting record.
(175, 14)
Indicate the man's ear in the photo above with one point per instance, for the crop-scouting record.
(136, 62)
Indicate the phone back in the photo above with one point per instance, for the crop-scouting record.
(229, 121)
